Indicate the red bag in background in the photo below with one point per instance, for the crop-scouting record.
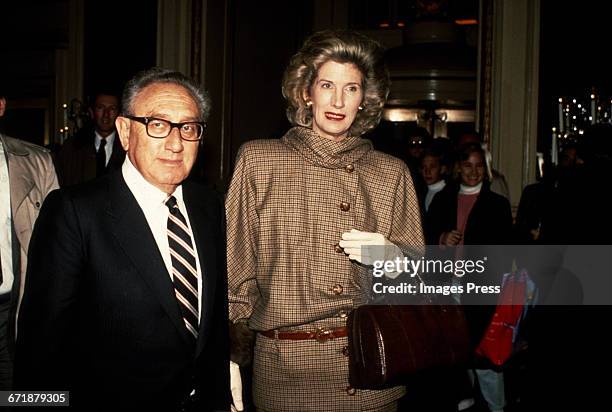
(517, 294)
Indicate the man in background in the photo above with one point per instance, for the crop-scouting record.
(26, 177)
(94, 150)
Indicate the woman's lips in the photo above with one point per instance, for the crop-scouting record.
(334, 116)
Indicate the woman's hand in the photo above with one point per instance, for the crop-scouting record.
(451, 238)
(367, 248)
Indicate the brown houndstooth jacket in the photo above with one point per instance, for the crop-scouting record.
(289, 202)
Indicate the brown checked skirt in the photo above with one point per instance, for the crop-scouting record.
(307, 375)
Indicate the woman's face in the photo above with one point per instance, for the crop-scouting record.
(472, 169)
(431, 169)
(336, 94)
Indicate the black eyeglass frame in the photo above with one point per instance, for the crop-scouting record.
(146, 120)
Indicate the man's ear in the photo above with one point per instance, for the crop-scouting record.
(122, 124)
(2, 106)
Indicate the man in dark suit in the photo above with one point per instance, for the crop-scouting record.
(126, 300)
(94, 150)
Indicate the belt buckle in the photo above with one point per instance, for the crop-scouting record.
(322, 335)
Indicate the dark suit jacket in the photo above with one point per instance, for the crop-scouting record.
(99, 315)
(76, 160)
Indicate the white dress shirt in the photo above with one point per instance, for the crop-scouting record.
(6, 243)
(110, 139)
(152, 201)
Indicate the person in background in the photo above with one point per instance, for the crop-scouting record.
(418, 140)
(95, 149)
(26, 177)
(469, 213)
(434, 173)
(298, 211)
(497, 181)
(126, 292)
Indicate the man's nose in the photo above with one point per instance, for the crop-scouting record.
(174, 142)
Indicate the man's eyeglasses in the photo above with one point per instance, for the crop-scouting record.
(160, 128)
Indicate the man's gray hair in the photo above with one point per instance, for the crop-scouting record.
(156, 75)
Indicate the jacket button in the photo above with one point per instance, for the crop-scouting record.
(345, 351)
(338, 249)
(349, 168)
(37, 204)
(345, 206)
(337, 289)
(350, 390)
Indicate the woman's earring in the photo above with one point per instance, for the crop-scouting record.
(309, 103)
(360, 107)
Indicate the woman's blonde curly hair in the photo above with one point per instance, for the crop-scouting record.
(341, 47)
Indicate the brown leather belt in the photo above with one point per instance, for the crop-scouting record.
(319, 334)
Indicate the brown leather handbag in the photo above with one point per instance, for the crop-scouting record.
(388, 344)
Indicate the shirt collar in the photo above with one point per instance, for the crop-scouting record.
(145, 193)
(110, 139)
(437, 186)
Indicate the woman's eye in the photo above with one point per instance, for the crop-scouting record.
(352, 89)
(326, 85)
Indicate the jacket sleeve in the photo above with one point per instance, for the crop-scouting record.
(216, 373)
(242, 236)
(406, 227)
(47, 316)
(51, 182)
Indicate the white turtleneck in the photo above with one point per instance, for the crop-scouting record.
(469, 190)
(432, 189)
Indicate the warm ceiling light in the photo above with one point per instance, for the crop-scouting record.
(401, 24)
(466, 22)
(385, 25)
(400, 114)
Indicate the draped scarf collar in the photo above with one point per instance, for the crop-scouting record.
(324, 152)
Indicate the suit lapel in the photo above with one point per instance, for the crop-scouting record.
(134, 236)
(202, 233)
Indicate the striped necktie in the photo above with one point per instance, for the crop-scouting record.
(184, 268)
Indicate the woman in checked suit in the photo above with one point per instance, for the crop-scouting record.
(298, 211)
